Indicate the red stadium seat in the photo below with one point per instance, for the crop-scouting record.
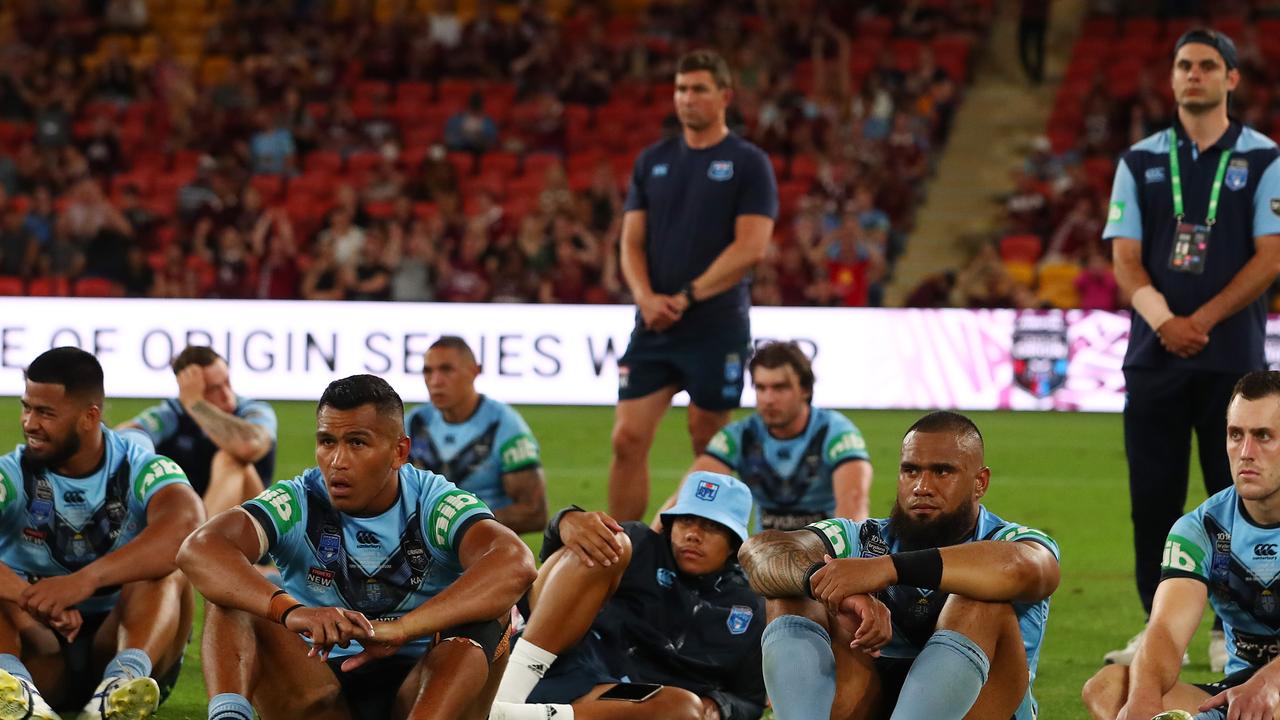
(97, 287)
(47, 287)
(271, 187)
(323, 161)
(1020, 248)
(500, 162)
(12, 285)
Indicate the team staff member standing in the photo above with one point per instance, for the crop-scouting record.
(699, 215)
(1195, 212)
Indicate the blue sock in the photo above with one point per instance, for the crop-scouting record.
(799, 668)
(12, 665)
(230, 706)
(945, 679)
(1214, 714)
(128, 664)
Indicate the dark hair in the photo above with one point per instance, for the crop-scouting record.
(352, 392)
(1257, 385)
(201, 355)
(777, 354)
(948, 422)
(708, 60)
(77, 371)
(453, 342)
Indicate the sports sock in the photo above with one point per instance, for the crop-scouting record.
(1214, 714)
(527, 711)
(799, 668)
(527, 665)
(128, 664)
(230, 706)
(12, 665)
(945, 679)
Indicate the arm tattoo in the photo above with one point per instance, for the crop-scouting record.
(528, 512)
(225, 429)
(776, 561)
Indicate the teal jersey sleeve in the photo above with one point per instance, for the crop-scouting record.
(155, 473)
(446, 514)
(844, 442)
(1124, 217)
(159, 421)
(279, 510)
(259, 413)
(1266, 202)
(517, 448)
(726, 445)
(1187, 549)
(842, 536)
(1021, 533)
(11, 507)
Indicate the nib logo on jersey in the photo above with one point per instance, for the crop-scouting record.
(1040, 351)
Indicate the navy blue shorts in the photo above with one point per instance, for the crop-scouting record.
(577, 671)
(710, 369)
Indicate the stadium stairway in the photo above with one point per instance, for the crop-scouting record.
(1002, 112)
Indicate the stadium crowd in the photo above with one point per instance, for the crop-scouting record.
(443, 151)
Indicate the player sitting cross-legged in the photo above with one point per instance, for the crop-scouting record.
(397, 586)
(90, 523)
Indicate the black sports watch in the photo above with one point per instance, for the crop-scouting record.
(687, 292)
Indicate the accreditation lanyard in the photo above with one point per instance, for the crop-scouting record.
(1175, 181)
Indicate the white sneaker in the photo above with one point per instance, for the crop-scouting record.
(121, 699)
(1217, 651)
(1124, 656)
(20, 700)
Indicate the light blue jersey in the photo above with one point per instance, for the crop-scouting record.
(790, 478)
(383, 566)
(54, 525)
(915, 611)
(475, 453)
(1219, 545)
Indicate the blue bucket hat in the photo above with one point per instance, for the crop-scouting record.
(716, 497)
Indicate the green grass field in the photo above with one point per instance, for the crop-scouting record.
(1062, 473)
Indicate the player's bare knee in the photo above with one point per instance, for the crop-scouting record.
(679, 704)
(1106, 689)
(962, 613)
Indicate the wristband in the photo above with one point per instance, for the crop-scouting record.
(1151, 305)
(687, 292)
(808, 577)
(918, 568)
(285, 615)
(282, 603)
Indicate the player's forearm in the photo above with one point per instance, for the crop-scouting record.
(242, 439)
(1247, 285)
(524, 517)
(852, 485)
(223, 575)
(149, 556)
(1126, 260)
(776, 561)
(635, 269)
(487, 590)
(997, 572)
(1156, 666)
(729, 268)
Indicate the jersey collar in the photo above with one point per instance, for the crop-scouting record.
(1226, 142)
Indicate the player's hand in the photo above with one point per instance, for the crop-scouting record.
(49, 598)
(839, 579)
(1141, 706)
(592, 536)
(658, 312)
(869, 622)
(385, 638)
(328, 626)
(190, 385)
(67, 624)
(1256, 699)
(1180, 336)
(710, 710)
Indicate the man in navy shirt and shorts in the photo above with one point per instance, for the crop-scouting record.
(698, 217)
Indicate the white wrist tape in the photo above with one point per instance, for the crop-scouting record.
(1151, 305)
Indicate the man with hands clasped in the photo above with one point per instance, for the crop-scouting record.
(968, 595)
(397, 586)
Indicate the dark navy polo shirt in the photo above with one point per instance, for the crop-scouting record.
(692, 199)
(1248, 207)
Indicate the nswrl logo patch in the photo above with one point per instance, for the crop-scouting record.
(707, 490)
(720, 170)
(739, 619)
(1275, 206)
